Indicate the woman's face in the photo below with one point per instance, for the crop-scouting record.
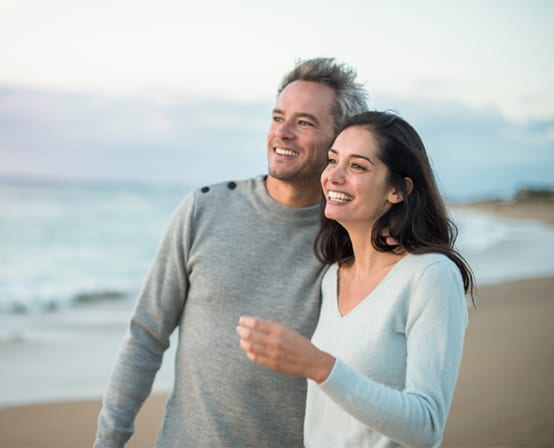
(355, 180)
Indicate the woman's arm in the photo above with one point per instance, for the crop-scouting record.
(436, 319)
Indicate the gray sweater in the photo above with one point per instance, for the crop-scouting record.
(229, 250)
(398, 355)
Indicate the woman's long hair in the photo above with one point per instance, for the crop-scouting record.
(420, 223)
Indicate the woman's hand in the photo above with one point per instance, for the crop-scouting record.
(282, 349)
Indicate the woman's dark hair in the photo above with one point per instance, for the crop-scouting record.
(420, 223)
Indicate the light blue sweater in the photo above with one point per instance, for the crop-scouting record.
(398, 355)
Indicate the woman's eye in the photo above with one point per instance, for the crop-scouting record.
(358, 167)
(331, 161)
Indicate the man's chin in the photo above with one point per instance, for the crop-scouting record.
(284, 176)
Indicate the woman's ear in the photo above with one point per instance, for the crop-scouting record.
(396, 196)
(409, 184)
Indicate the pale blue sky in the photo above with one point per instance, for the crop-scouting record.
(164, 80)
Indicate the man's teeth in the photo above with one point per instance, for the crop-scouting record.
(339, 197)
(285, 152)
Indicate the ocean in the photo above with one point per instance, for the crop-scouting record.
(61, 244)
(73, 257)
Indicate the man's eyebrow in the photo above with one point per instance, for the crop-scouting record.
(358, 156)
(299, 115)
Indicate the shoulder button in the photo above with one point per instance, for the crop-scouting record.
(205, 189)
(232, 185)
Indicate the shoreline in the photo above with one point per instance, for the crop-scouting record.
(539, 210)
(504, 395)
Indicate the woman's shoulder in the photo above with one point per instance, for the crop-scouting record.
(424, 261)
(435, 270)
(433, 267)
(329, 280)
(330, 271)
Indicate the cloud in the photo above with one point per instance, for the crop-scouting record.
(92, 136)
(479, 152)
(197, 140)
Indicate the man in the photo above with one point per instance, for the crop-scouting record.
(232, 249)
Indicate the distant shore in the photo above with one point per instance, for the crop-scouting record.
(504, 396)
(542, 210)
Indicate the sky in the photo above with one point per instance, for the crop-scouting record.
(182, 91)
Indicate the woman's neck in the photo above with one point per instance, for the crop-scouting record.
(366, 259)
(360, 275)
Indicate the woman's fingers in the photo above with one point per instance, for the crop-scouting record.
(260, 339)
(253, 339)
(258, 330)
(257, 323)
(282, 349)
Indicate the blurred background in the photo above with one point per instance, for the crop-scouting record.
(112, 111)
(181, 92)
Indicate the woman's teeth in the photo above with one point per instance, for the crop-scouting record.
(339, 197)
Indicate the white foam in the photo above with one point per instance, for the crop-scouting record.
(500, 249)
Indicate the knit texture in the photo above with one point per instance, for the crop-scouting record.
(398, 355)
(229, 250)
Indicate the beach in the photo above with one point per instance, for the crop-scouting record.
(504, 396)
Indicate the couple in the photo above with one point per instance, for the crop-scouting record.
(384, 357)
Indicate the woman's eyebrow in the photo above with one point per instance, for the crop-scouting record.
(358, 156)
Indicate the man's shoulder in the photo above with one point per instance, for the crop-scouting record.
(227, 188)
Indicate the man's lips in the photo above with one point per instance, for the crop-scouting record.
(285, 152)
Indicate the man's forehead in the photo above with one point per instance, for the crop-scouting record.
(306, 97)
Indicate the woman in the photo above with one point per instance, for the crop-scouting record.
(384, 358)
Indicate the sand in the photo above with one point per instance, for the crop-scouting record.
(533, 209)
(504, 396)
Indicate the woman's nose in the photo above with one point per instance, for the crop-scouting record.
(333, 174)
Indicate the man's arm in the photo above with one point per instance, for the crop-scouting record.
(156, 315)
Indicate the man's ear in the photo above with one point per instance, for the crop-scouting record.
(395, 195)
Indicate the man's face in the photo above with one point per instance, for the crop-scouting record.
(301, 132)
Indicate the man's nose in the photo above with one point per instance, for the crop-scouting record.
(285, 130)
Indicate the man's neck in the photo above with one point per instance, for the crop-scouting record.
(294, 195)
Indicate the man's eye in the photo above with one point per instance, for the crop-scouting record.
(304, 123)
(278, 119)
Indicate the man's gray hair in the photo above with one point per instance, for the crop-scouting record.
(350, 96)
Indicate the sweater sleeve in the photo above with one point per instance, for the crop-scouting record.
(436, 319)
(154, 318)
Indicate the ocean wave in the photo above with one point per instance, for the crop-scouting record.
(500, 249)
(30, 299)
(68, 247)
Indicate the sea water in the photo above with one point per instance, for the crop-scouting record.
(61, 244)
(73, 258)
